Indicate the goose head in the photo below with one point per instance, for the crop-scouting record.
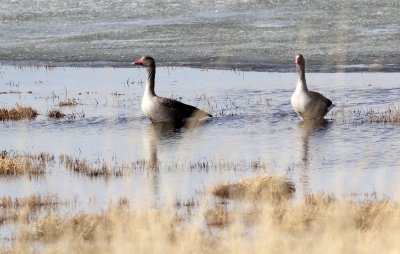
(300, 60)
(300, 64)
(147, 61)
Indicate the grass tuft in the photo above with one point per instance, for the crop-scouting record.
(82, 166)
(217, 216)
(68, 103)
(273, 188)
(12, 209)
(17, 113)
(55, 113)
(14, 164)
(368, 115)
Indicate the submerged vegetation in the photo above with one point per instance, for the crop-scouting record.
(390, 115)
(82, 166)
(68, 103)
(17, 113)
(367, 115)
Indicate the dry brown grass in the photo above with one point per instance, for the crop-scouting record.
(14, 164)
(275, 188)
(223, 165)
(106, 169)
(367, 115)
(82, 226)
(82, 166)
(12, 209)
(318, 224)
(92, 233)
(390, 115)
(68, 103)
(217, 216)
(55, 113)
(17, 113)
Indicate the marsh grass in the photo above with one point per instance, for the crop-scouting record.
(13, 209)
(14, 164)
(274, 188)
(32, 202)
(100, 169)
(17, 113)
(82, 166)
(316, 223)
(55, 113)
(217, 216)
(367, 115)
(216, 164)
(390, 115)
(68, 103)
(319, 223)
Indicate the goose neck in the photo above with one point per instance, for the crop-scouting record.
(301, 80)
(151, 73)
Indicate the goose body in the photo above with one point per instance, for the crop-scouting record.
(308, 104)
(159, 109)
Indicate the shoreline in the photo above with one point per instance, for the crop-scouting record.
(263, 67)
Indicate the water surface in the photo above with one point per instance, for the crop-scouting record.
(254, 131)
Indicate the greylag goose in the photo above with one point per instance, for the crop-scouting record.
(308, 104)
(159, 109)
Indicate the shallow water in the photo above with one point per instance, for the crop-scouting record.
(254, 131)
(259, 35)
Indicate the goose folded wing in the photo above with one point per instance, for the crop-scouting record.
(182, 109)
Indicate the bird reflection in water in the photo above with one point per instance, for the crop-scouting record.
(153, 133)
(304, 130)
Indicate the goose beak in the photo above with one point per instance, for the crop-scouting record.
(139, 62)
(297, 59)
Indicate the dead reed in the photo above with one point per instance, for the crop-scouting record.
(12, 209)
(390, 115)
(17, 113)
(14, 164)
(82, 166)
(55, 113)
(98, 169)
(275, 188)
(33, 201)
(217, 216)
(224, 165)
(367, 115)
(68, 103)
(318, 224)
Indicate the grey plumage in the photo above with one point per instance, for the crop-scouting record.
(159, 109)
(308, 104)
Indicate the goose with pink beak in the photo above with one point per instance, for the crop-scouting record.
(308, 104)
(159, 109)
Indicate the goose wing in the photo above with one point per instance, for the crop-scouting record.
(325, 101)
(183, 110)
